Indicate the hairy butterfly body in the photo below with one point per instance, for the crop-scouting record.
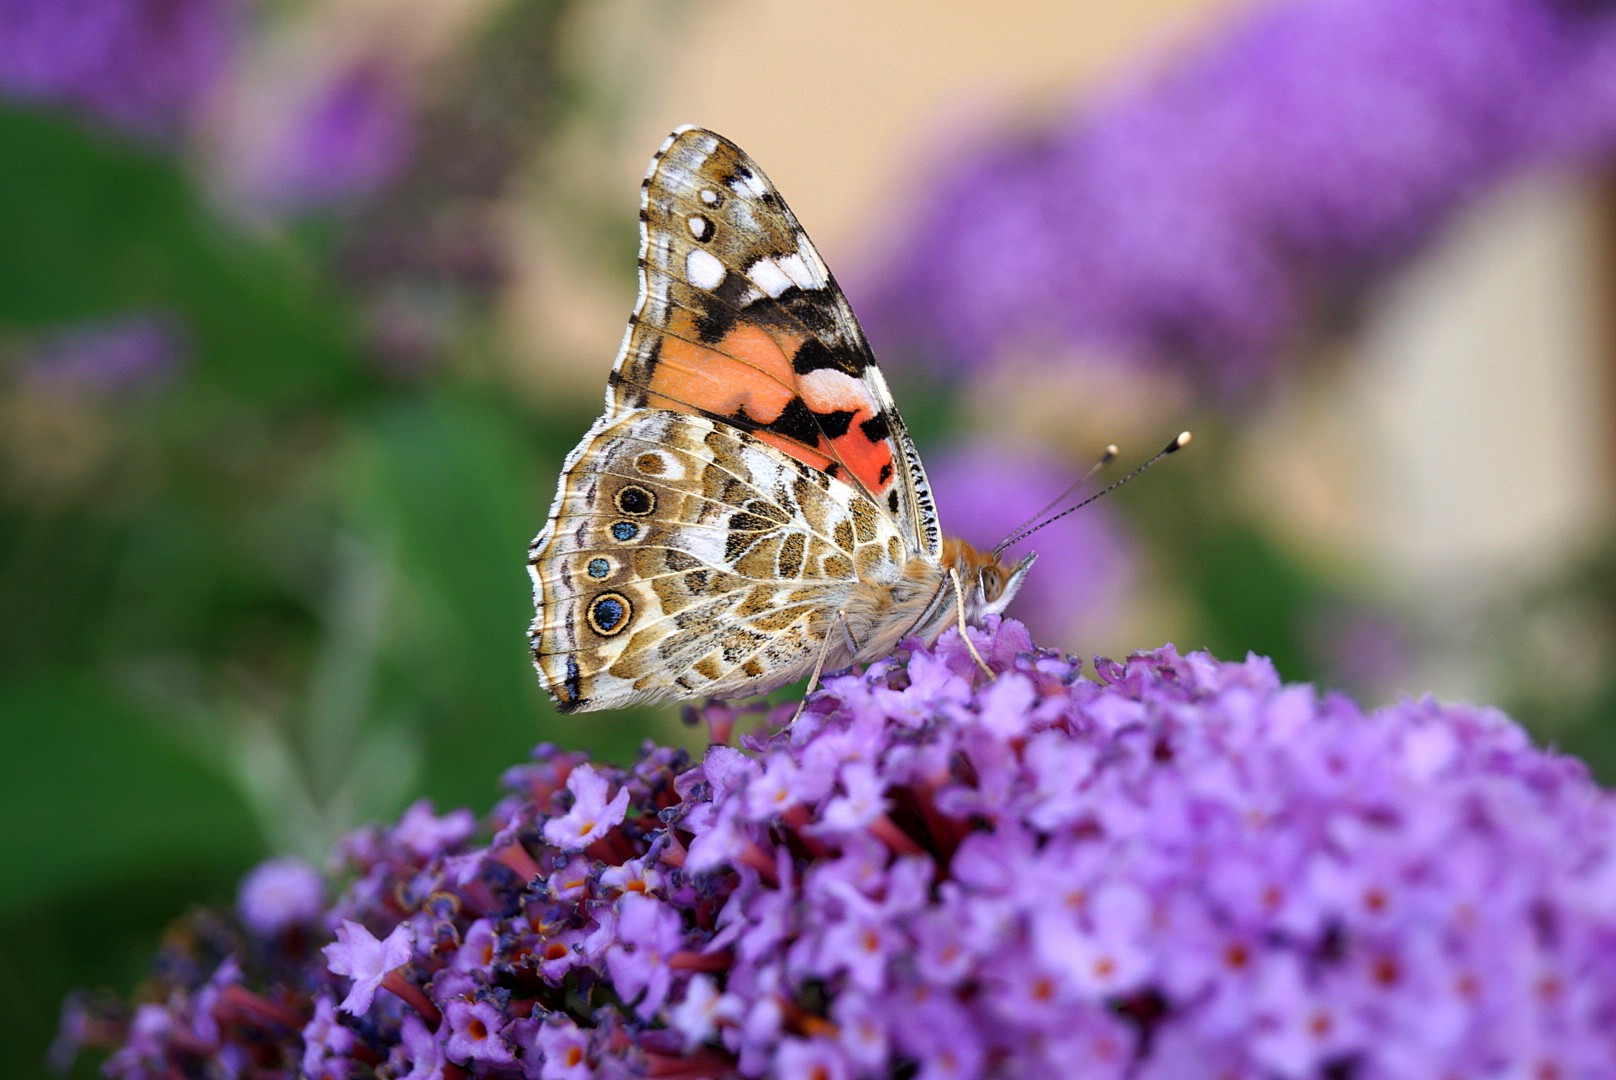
(750, 509)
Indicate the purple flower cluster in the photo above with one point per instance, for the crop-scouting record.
(1181, 868)
(146, 65)
(1203, 219)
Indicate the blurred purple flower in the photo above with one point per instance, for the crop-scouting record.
(418, 1054)
(342, 138)
(144, 65)
(280, 895)
(115, 353)
(1085, 569)
(326, 1044)
(1179, 866)
(1199, 220)
(563, 1049)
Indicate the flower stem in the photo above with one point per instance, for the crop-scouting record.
(414, 997)
(515, 856)
(895, 838)
(689, 960)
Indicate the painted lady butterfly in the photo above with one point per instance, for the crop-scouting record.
(750, 509)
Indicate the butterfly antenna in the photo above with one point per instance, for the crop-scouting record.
(1106, 458)
(1025, 531)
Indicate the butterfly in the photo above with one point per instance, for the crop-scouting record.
(750, 509)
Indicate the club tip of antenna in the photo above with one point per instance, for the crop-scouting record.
(1179, 443)
(1110, 454)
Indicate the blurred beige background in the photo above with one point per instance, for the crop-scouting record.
(830, 105)
(1466, 439)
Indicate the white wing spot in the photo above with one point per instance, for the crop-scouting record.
(826, 389)
(749, 184)
(705, 545)
(709, 196)
(699, 226)
(703, 270)
(767, 275)
(800, 272)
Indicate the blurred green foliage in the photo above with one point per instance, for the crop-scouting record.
(285, 592)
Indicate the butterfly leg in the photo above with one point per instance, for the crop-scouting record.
(959, 606)
(853, 646)
(813, 680)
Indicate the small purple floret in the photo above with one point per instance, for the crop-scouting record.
(592, 814)
(476, 1034)
(359, 955)
(563, 1051)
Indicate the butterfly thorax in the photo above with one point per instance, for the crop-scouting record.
(921, 601)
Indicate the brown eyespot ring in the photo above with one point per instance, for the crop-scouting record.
(609, 614)
(651, 464)
(634, 500)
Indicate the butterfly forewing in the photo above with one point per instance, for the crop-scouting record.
(740, 320)
(751, 502)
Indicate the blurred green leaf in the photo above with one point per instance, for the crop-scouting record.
(95, 790)
(1251, 595)
(451, 485)
(91, 224)
(116, 828)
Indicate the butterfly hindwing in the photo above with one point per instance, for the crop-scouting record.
(684, 557)
(739, 320)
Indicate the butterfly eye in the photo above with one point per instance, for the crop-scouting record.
(992, 579)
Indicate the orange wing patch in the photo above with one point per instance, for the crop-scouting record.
(863, 444)
(739, 320)
(825, 419)
(743, 371)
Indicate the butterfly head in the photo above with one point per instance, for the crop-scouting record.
(990, 584)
